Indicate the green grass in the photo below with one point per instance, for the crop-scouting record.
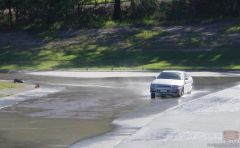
(144, 48)
(147, 34)
(233, 29)
(7, 85)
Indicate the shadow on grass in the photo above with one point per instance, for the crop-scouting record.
(156, 59)
(148, 47)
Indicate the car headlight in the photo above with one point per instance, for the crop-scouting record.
(176, 87)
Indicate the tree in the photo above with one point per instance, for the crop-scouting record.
(117, 10)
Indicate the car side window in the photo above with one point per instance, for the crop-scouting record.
(186, 76)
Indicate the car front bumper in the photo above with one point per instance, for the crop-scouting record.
(168, 92)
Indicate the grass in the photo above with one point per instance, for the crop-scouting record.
(125, 49)
(8, 85)
(233, 29)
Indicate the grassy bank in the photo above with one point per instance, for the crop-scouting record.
(204, 46)
(8, 85)
(8, 88)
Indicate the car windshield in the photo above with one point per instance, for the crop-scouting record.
(169, 75)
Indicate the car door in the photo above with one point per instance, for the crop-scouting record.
(187, 83)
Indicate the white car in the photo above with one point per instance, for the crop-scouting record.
(173, 83)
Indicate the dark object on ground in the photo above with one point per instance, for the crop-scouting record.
(17, 81)
(37, 86)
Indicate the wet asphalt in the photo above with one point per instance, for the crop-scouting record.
(84, 108)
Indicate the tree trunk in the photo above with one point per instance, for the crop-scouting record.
(193, 7)
(117, 10)
(95, 4)
(17, 16)
(235, 8)
(78, 9)
(132, 3)
(10, 17)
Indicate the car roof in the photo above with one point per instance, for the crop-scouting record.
(175, 71)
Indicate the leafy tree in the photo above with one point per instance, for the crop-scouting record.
(87, 13)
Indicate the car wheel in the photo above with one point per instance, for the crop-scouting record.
(181, 93)
(153, 96)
